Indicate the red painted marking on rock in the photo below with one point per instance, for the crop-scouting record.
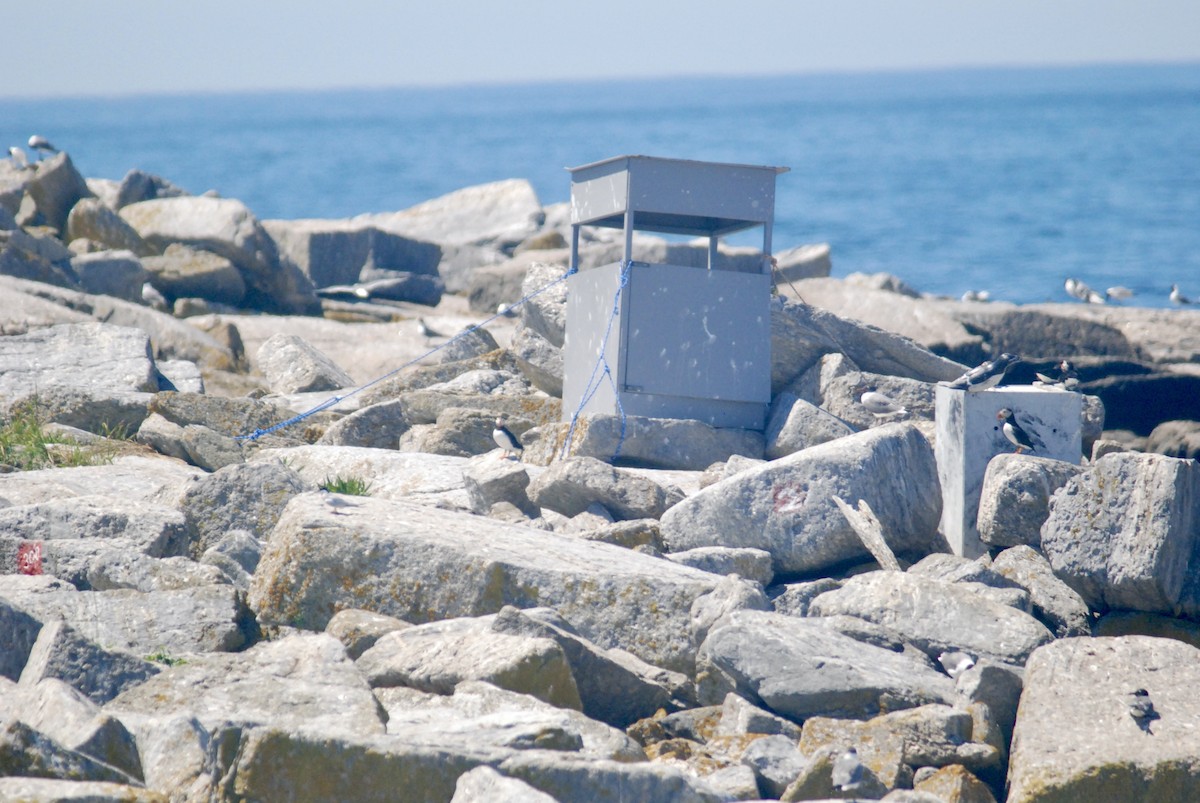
(29, 557)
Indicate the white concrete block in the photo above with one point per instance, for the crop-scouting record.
(969, 435)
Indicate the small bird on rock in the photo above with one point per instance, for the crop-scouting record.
(336, 503)
(1178, 297)
(847, 771)
(879, 404)
(1141, 708)
(1067, 378)
(426, 331)
(955, 663)
(18, 157)
(977, 295)
(1017, 434)
(985, 375)
(154, 298)
(41, 145)
(1118, 292)
(505, 439)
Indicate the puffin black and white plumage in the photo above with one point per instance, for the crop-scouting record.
(1068, 377)
(41, 145)
(1016, 434)
(505, 438)
(985, 375)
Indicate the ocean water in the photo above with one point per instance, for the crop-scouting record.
(1005, 180)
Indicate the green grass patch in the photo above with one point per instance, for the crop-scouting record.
(26, 446)
(350, 486)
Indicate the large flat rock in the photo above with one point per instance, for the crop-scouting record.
(422, 564)
(1075, 739)
(936, 616)
(800, 668)
(786, 506)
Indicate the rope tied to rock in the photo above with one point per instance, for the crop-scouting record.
(330, 402)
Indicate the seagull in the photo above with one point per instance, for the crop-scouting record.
(1067, 379)
(985, 375)
(19, 159)
(504, 437)
(335, 502)
(506, 310)
(878, 404)
(955, 663)
(976, 295)
(1178, 297)
(1016, 434)
(426, 331)
(1141, 708)
(41, 145)
(847, 771)
(154, 298)
(1119, 293)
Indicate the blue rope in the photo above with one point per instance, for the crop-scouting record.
(325, 405)
(594, 382)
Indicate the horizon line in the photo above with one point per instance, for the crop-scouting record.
(432, 86)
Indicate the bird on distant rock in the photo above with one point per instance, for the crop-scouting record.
(955, 663)
(154, 298)
(976, 295)
(41, 145)
(1178, 297)
(1067, 378)
(505, 438)
(1080, 290)
(1141, 708)
(427, 331)
(847, 771)
(985, 375)
(18, 157)
(506, 310)
(879, 404)
(1118, 293)
(335, 502)
(1016, 434)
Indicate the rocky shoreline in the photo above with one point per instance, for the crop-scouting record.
(188, 614)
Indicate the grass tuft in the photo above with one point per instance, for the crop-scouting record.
(350, 486)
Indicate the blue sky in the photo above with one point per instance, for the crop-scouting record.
(85, 47)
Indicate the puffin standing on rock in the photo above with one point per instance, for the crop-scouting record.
(1016, 434)
(505, 439)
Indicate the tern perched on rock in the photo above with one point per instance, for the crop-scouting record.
(955, 663)
(505, 439)
(1017, 434)
(985, 375)
(154, 298)
(1141, 708)
(879, 404)
(847, 771)
(19, 159)
(41, 145)
(335, 503)
(1178, 297)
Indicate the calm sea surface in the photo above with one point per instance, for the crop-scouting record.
(1005, 180)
